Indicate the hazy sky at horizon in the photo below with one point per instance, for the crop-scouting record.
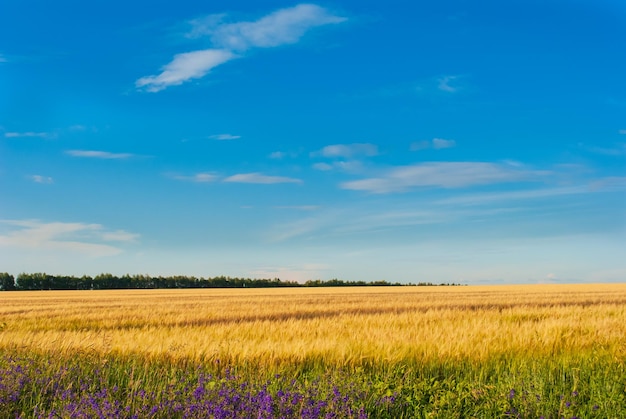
(449, 141)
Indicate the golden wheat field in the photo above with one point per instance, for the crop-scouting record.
(337, 326)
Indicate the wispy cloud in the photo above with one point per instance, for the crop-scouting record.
(41, 179)
(284, 26)
(436, 143)
(277, 155)
(347, 150)
(346, 166)
(622, 131)
(298, 207)
(260, 178)
(616, 150)
(95, 154)
(224, 137)
(29, 134)
(508, 196)
(323, 166)
(79, 238)
(198, 177)
(439, 143)
(119, 236)
(184, 67)
(230, 40)
(443, 175)
(445, 84)
(2, 59)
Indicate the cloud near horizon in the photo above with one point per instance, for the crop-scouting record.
(442, 175)
(282, 27)
(80, 238)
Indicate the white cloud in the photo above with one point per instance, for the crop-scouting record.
(41, 179)
(284, 26)
(119, 236)
(346, 166)
(29, 134)
(616, 150)
(522, 195)
(436, 143)
(260, 178)
(610, 183)
(444, 84)
(79, 238)
(622, 131)
(323, 167)
(439, 143)
(277, 155)
(184, 67)
(347, 150)
(442, 174)
(198, 177)
(299, 207)
(419, 145)
(98, 154)
(224, 137)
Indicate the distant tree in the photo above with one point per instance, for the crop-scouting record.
(7, 282)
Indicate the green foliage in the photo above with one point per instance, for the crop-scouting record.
(106, 281)
(7, 282)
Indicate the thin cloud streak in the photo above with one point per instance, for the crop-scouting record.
(617, 150)
(299, 207)
(29, 134)
(224, 137)
(96, 154)
(442, 175)
(198, 177)
(260, 178)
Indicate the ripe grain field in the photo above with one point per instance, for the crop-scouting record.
(479, 351)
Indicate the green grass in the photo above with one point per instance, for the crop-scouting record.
(510, 386)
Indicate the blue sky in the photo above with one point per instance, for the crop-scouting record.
(449, 141)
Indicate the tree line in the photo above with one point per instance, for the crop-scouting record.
(107, 281)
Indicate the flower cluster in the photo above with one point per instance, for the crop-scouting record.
(224, 396)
